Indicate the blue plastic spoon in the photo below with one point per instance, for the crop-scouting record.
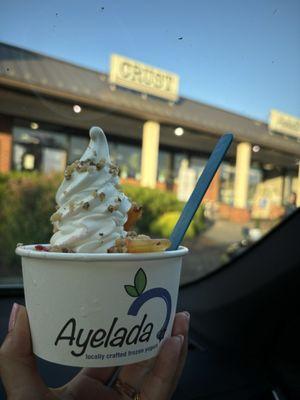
(201, 187)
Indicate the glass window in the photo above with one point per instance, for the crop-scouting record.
(227, 176)
(18, 152)
(77, 146)
(164, 172)
(39, 150)
(53, 160)
(255, 177)
(128, 158)
(197, 164)
(40, 137)
(178, 158)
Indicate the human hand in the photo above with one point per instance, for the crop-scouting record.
(154, 379)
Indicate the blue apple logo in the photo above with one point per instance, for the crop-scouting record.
(137, 290)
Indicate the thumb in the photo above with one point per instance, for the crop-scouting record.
(17, 363)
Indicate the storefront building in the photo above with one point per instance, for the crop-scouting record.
(47, 107)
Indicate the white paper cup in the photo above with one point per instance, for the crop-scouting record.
(99, 310)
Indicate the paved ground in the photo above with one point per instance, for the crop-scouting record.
(206, 250)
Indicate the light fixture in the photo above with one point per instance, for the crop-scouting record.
(256, 148)
(77, 109)
(268, 167)
(179, 131)
(34, 125)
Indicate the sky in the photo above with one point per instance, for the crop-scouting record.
(240, 55)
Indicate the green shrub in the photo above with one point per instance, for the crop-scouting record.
(155, 202)
(26, 203)
(163, 225)
(199, 220)
(161, 211)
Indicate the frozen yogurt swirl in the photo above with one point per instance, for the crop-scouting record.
(91, 211)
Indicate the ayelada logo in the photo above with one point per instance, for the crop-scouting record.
(116, 336)
(137, 290)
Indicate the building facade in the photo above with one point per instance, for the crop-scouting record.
(47, 107)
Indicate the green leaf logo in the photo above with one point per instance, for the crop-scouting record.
(131, 290)
(140, 282)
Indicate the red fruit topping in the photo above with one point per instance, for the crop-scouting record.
(39, 247)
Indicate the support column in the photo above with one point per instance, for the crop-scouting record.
(5, 144)
(150, 147)
(287, 187)
(243, 159)
(298, 187)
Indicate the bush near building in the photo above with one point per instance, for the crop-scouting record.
(26, 204)
(27, 201)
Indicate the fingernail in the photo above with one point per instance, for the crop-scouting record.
(13, 317)
(187, 314)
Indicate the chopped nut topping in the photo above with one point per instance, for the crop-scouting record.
(86, 205)
(113, 169)
(55, 217)
(101, 196)
(101, 234)
(71, 206)
(143, 237)
(82, 167)
(112, 208)
(100, 164)
(120, 247)
(69, 170)
(131, 234)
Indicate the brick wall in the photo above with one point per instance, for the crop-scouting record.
(212, 193)
(5, 143)
(5, 152)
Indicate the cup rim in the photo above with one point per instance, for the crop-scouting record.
(30, 252)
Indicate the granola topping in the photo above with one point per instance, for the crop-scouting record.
(86, 205)
(55, 217)
(101, 196)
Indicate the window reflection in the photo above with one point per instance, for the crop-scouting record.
(165, 166)
(227, 177)
(77, 146)
(128, 158)
(39, 150)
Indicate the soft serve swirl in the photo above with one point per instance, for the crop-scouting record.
(91, 210)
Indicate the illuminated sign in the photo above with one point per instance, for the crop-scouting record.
(284, 123)
(143, 78)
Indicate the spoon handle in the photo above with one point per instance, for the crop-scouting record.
(201, 187)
